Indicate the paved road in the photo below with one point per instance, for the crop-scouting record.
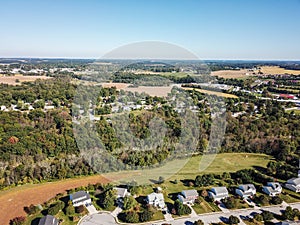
(221, 216)
(98, 219)
(108, 219)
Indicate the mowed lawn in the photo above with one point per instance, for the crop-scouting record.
(13, 200)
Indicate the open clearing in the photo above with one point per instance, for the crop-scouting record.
(221, 94)
(160, 91)
(12, 201)
(232, 73)
(11, 80)
(273, 70)
(244, 73)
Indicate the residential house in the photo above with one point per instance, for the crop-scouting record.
(48, 220)
(121, 193)
(80, 198)
(246, 190)
(272, 188)
(188, 196)
(293, 184)
(156, 199)
(218, 193)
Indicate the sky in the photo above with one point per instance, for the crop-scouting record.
(211, 29)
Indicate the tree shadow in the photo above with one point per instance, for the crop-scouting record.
(35, 221)
(186, 182)
(141, 200)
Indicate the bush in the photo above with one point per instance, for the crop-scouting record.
(267, 216)
(18, 220)
(79, 209)
(198, 222)
(129, 202)
(258, 217)
(181, 209)
(276, 200)
(54, 209)
(230, 202)
(32, 209)
(132, 217)
(146, 215)
(233, 220)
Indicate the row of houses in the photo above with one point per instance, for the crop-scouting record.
(219, 193)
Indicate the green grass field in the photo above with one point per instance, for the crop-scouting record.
(189, 168)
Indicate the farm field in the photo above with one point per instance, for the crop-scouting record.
(12, 80)
(221, 94)
(14, 199)
(273, 70)
(237, 74)
(161, 91)
(244, 73)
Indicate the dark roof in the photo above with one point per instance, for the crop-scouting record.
(48, 220)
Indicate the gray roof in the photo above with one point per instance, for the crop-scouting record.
(219, 190)
(48, 220)
(121, 192)
(247, 187)
(79, 195)
(189, 193)
(294, 181)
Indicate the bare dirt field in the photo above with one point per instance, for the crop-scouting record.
(152, 91)
(119, 86)
(11, 80)
(232, 73)
(12, 201)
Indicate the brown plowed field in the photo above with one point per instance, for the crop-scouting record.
(12, 201)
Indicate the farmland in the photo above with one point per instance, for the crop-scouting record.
(221, 94)
(273, 70)
(18, 79)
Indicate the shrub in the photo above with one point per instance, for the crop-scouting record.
(79, 209)
(146, 215)
(276, 200)
(233, 220)
(258, 217)
(18, 220)
(132, 217)
(198, 222)
(267, 216)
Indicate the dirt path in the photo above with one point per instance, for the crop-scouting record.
(13, 201)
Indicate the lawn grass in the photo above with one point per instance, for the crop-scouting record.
(289, 196)
(205, 207)
(158, 215)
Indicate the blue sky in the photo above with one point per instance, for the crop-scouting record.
(212, 29)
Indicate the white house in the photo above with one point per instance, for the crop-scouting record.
(293, 184)
(80, 198)
(246, 190)
(121, 193)
(48, 220)
(188, 196)
(272, 188)
(156, 199)
(218, 193)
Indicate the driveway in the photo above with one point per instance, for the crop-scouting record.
(91, 209)
(98, 219)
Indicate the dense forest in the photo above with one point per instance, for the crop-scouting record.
(40, 145)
